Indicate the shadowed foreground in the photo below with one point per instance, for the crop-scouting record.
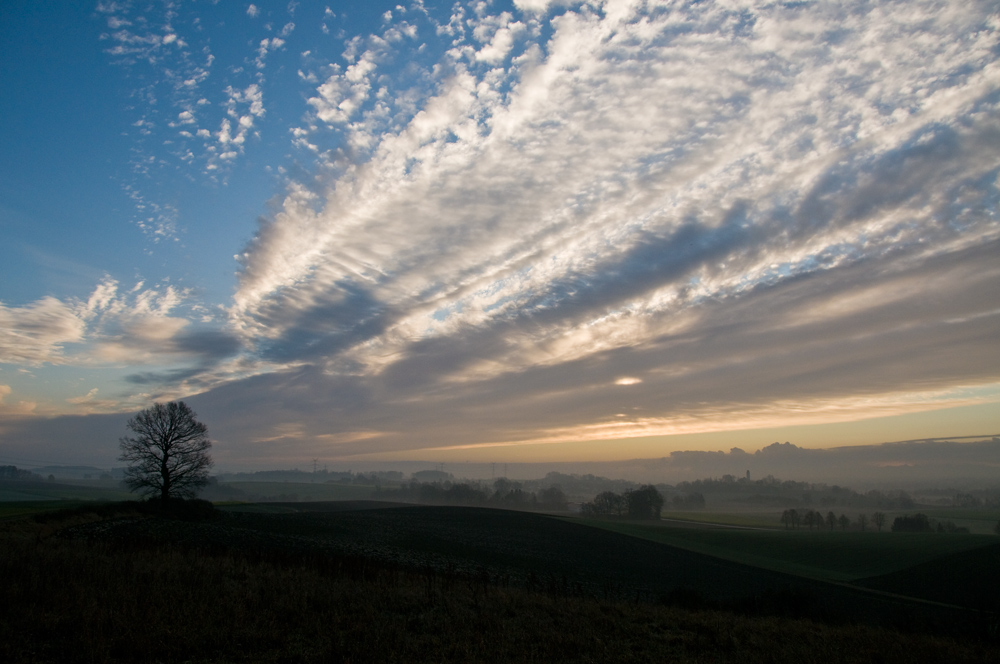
(112, 600)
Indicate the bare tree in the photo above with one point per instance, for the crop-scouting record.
(863, 521)
(831, 520)
(167, 455)
(878, 519)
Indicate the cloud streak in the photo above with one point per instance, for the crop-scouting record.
(551, 222)
(133, 327)
(754, 208)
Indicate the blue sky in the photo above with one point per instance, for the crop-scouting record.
(500, 230)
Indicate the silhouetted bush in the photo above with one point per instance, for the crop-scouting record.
(552, 498)
(918, 523)
(644, 503)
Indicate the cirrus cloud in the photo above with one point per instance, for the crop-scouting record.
(754, 207)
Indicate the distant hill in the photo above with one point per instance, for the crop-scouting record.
(76, 472)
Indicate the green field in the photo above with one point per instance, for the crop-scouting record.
(978, 521)
(25, 507)
(745, 519)
(301, 491)
(830, 556)
(273, 588)
(363, 581)
(19, 491)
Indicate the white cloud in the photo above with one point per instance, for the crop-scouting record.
(608, 188)
(669, 215)
(36, 333)
(253, 11)
(135, 327)
(540, 6)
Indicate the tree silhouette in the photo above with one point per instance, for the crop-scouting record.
(553, 498)
(608, 503)
(790, 518)
(918, 523)
(878, 518)
(167, 453)
(644, 502)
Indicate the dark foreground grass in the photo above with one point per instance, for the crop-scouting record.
(67, 600)
(820, 554)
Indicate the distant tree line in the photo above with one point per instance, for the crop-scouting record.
(320, 475)
(646, 502)
(917, 523)
(15, 473)
(580, 485)
(772, 491)
(921, 523)
(503, 493)
(793, 519)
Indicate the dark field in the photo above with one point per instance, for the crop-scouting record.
(821, 554)
(365, 582)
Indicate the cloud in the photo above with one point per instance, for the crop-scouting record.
(36, 333)
(932, 461)
(754, 209)
(21, 408)
(184, 102)
(565, 222)
(243, 108)
(136, 327)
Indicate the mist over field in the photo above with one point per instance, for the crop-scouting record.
(959, 461)
(514, 231)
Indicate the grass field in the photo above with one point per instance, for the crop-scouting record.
(831, 556)
(20, 491)
(769, 519)
(978, 521)
(301, 491)
(354, 582)
(25, 507)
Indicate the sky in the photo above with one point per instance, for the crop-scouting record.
(498, 231)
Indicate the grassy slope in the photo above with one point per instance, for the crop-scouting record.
(769, 519)
(532, 550)
(11, 491)
(303, 491)
(971, 578)
(832, 556)
(69, 601)
(979, 521)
